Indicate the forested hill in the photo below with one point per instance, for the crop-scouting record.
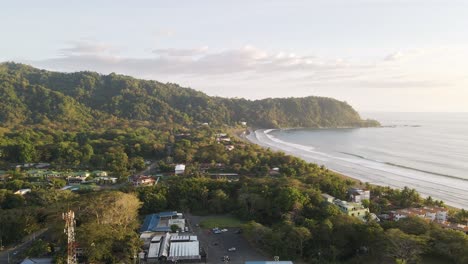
(33, 96)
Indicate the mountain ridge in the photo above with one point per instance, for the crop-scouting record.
(82, 98)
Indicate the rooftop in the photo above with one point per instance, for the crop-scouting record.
(152, 222)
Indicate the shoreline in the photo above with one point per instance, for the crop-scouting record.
(252, 137)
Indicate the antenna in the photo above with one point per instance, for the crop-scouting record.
(70, 223)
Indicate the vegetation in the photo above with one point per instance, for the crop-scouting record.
(114, 123)
(221, 221)
(84, 99)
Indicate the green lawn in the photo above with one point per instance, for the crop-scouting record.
(221, 222)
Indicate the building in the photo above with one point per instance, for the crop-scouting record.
(37, 261)
(161, 222)
(23, 191)
(105, 179)
(174, 248)
(142, 180)
(243, 123)
(230, 147)
(357, 195)
(328, 198)
(352, 208)
(99, 173)
(437, 214)
(454, 226)
(179, 169)
(355, 209)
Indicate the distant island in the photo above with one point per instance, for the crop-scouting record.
(34, 96)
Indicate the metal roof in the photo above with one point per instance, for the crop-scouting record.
(152, 221)
(153, 251)
(184, 250)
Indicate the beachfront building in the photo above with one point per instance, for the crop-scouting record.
(352, 208)
(358, 195)
(328, 198)
(432, 214)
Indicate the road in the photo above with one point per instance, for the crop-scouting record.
(9, 256)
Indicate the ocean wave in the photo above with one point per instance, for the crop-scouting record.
(309, 151)
(405, 167)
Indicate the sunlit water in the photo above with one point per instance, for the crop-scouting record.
(425, 151)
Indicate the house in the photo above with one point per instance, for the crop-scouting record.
(229, 147)
(352, 208)
(454, 226)
(437, 214)
(328, 198)
(104, 179)
(99, 173)
(358, 195)
(23, 191)
(42, 165)
(243, 123)
(142, 180)
(179, 169)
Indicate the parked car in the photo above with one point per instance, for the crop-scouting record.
(224, 230)
(239, 231)
(232, 249)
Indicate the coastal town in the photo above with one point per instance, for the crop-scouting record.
(175, 237)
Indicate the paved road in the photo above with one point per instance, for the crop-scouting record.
(217, 245)
(10, 255)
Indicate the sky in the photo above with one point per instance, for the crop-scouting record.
(377, 55)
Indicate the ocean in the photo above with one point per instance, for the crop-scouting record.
(424, 151)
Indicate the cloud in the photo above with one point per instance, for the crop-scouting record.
(181, 52)
(85, 47)
(262, 70)
(394, 56)
(248, 59)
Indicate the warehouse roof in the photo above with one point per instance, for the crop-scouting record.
(184, 250)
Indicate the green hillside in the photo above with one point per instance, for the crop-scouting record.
(30, 95)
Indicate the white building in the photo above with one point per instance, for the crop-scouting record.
(23, 191)
(179, 169)
(438, 214)
(357, 195)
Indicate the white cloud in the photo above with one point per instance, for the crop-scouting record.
(181, 52)
(256, 73)
(86, 47)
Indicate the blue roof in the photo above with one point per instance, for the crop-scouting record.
(269, 262)
(151, 222)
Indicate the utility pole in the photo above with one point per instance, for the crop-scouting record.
(70, 223)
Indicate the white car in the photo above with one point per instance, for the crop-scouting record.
(232, 249)
(224, 230)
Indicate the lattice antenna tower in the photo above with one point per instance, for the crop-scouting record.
(69, 230)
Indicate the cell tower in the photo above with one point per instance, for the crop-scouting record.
(69, 218)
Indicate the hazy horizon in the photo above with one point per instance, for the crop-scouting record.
(379, 56)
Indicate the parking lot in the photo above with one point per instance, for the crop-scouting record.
(216, 245)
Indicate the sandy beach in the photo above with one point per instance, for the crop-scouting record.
(452, 191)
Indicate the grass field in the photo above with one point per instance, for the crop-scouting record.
(221, 222)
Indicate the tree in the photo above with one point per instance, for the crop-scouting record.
(404, 247)
(174, 228)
